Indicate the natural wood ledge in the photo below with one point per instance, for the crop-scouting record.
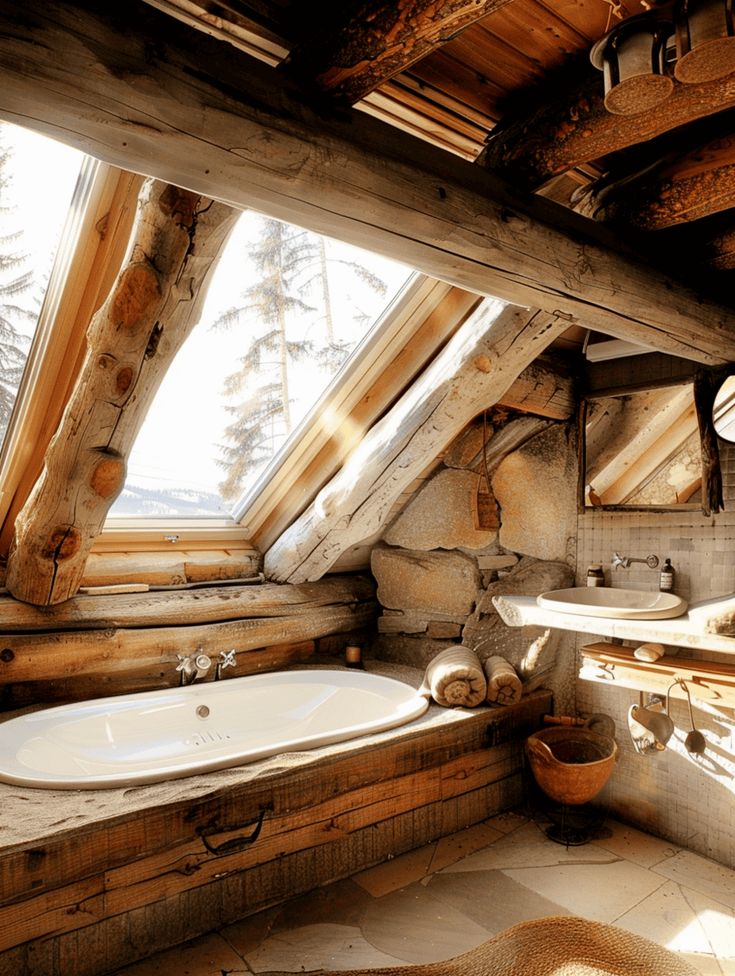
(616, 666)
(522, 611)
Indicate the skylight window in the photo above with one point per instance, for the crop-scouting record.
(283, 313)
(37, 181)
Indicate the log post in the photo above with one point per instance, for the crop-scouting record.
(471, 373)
(706, 385)
(131, 341)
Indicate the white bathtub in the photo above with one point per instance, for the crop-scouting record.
(155, 736)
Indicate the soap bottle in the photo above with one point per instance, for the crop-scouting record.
(595, 576)
(666, 583)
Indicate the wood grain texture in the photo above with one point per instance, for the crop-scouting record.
(566, 124)
(472, 372)
(376, 39)
(240, 132)
(339, 810)
(132, 340)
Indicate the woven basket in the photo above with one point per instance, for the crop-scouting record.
(571, 765)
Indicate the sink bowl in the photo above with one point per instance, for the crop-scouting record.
(605, 601)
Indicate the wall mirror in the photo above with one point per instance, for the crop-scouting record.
(642, 449)
(724, 410)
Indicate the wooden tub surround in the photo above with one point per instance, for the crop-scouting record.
(92, 881)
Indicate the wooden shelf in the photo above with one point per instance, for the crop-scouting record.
(615, 665)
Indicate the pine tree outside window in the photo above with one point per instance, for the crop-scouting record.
(37, 181)
(284, 311)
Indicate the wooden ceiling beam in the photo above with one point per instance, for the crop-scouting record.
(684, 186)
(552, 133)
(236, 130)
(370, 41)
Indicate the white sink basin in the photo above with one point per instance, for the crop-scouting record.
(606, 601)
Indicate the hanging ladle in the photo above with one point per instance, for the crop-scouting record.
(694, 742)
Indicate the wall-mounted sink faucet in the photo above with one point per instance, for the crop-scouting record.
(227, 659)
(191, 667)
(623, 562)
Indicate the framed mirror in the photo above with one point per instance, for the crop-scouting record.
(642, 449)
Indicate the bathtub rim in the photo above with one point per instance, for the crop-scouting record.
(40, 781)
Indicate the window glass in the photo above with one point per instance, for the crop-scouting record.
(37, 181)
(284, 310)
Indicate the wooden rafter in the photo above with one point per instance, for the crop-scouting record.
(473, 372)
(373, 40)
(552, 133)
(685, 185)
(235, 130)
(132, 339)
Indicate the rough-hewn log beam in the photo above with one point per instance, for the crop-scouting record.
(472, 372)
(236, 130)
(131, 341)
(375, 39)
(550, 135)
(685, 186)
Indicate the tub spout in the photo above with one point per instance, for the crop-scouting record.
(191, 667)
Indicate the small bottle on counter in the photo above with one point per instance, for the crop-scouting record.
(595, 576)
(666, 583)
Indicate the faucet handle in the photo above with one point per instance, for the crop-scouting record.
(184, 663)
(227, 659)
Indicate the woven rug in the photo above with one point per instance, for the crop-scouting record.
(556, 946)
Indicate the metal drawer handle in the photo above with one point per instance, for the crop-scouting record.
(235, 844)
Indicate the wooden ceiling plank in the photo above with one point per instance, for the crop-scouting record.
(550, 135)
(444, 72)
(240, 132)
(377, 39)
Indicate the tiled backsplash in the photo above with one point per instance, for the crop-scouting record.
(690, 801)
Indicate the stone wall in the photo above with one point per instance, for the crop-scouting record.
(459, 542)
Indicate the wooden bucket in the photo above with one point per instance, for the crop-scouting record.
(571, 765)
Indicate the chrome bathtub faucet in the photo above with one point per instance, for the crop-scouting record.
(623, 562)
(191, 667)
(227, 659)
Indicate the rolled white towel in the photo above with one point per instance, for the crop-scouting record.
(504, 687)
(455, 678)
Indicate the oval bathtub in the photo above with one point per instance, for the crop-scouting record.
(158, 735)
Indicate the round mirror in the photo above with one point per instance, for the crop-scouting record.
(724, 410)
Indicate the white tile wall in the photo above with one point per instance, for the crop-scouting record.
(689, 801)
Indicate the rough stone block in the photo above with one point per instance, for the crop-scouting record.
(536, 488)
(437, 582)
(442, 515)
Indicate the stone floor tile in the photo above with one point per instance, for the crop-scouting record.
(247, 934)
(507, 822)
(451, 849)
(718, 922)
(397, 873)
(491, 899)
(325, 946)
(602, 892)
(636, 845)
(415, 927)
(701, 874)
(342, 902)
(667, 917)
(528, 846)
(208, 955)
